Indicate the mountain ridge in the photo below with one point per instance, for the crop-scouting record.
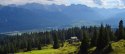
(33, 16)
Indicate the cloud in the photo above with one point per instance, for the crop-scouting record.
(21, 2)
(90, 3)
(103, 3)
(112, 4)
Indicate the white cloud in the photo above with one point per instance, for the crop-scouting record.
(20, 2)
(89, 3)
(112, 4)
(103, 3)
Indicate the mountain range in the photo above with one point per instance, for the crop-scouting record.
(39, 16)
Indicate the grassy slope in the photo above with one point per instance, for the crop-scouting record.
(118, 47)
(68, 48)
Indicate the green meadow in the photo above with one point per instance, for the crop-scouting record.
(118, 48)
(66, 49)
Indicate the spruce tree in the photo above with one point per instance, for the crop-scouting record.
(111, 35)
(102, 40)
(121, 30)
(107, 35)
(12, 48)
(38, 44)
(29, 47)
(56, 42)
(84, 45)
(117, 33)
(94, 38)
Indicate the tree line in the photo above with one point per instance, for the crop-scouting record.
(92, 36)
(102, 39)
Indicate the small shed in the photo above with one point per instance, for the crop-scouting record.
(73, 39)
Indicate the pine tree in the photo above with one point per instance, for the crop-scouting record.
(12, 48)
(107, 35)
(38, 44)
(103, 38)
(84, 45)
(48, 37)
(56, 41)
(94, 38)
(117, 33)
(61, 36)
(29, 47)
(121, 30)
(81, 35)
(111, 35)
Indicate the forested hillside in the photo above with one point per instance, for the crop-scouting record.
(92, 40)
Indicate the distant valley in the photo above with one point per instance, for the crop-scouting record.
(38, 16)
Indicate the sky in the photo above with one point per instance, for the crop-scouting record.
(90, 3)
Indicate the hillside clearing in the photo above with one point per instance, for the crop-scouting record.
(118, 47)
(68, 48)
